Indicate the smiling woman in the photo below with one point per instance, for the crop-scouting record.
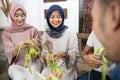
(64, 43)
(19, 17)
(55, 19)
(13, 37)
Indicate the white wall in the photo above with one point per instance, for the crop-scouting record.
(35, 13)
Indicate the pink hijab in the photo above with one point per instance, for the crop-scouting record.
(14, 27)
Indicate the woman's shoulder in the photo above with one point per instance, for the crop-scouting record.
(70, 33)
(7, 30)
(33, 29)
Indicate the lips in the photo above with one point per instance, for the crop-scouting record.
(20, 23)
(56, 24)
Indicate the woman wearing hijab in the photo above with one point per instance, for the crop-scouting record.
(64, 44)
(17, 33)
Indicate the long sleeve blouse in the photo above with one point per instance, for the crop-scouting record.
(11, 39)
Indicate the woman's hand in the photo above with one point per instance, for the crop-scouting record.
(59, 55)
(56, 56)
(48, 57)
(25, 45)
(55, 74)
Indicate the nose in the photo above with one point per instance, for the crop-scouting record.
(56, 19)
(20, 18)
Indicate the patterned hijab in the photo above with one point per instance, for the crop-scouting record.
(14, 27)
(55, 32)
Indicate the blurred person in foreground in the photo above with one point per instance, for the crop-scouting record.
(106, 25)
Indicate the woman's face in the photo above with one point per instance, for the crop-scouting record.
(19, 17)
(55, 19)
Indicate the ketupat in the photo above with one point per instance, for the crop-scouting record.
(31, 52)
(52, 64)
(100, 53)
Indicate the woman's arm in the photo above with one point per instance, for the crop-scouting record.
(8, 45)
